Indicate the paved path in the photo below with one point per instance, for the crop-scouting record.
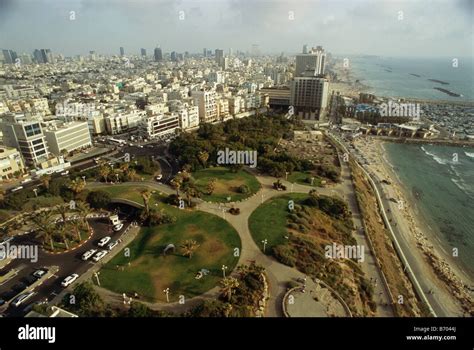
(278, 274)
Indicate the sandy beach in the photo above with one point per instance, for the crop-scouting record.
(450, 282)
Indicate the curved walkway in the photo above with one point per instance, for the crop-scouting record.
(277, 273)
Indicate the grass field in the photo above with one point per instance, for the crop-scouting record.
(269, 220)
(227, 184)
(300, 177)
(148, 272)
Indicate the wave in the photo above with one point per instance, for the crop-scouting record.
(469, 154)
(437, 159)
(465, 187)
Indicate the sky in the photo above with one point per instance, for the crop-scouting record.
(412, 28)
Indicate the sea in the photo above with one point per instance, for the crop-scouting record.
(408, 77)
(439, 179)
(440, 182)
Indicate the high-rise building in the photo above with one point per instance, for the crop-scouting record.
(158, 54)
(305, 48)
(219, 55)
(92, 55)
(67, 137)
(310, 64)
(122, 51)
(255, 51)
(143, 52)
(204, 52)
(309, 96)
(10, 56)
(174, 56)
(206, 102)
(37, 56)
(26, 135)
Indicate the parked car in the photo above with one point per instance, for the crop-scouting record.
(22, 298)
(88, 254)
(40, 273)
(112, 245)
(159, 177)
(118, 227)
(104, 241)
(99, 255)
(69, 280)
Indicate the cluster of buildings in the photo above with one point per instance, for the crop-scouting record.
(56, 105)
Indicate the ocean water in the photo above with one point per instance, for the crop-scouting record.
(391, 77)
(440, 180)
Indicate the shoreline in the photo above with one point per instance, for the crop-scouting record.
(436, 260)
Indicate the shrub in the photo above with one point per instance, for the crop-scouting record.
(98, 199)
(244, 189)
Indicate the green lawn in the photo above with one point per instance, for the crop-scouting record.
(300, 177)
(269, 220)
(227, 184)
(42, 202)
(150, 272)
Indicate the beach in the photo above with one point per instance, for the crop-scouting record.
(449, 283)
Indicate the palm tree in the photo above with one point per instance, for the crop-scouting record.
(63, 210)
(104, 172)
(44, 226)
(45, 179)
(203, 156)
(76, 186)
(63, 232)
(188, 247)
(84, 210)
(228, 285)
(176, 183)
(146, 195)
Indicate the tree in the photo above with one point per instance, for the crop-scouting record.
(104, 172)
(76, 186)
(203, 156)
(211, 186)
(188, 247)
(228, 285)
(63, 233)
(176, 183)
(62, 210)
(84, 210)
(44, 226)
(89, 303)
(146, 195)
(98, 199)
(45, 179)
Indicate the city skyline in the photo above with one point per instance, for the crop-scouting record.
(395, 28)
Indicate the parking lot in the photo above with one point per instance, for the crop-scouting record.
(59, 266)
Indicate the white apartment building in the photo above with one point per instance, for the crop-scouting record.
(68, 136)
(236, 105)
(11, 162)
(188, 117)
(223, 108)
(217, 77)
(123, 121)
(26, 135)
(206, 102)
(157, 126)
(314, 62)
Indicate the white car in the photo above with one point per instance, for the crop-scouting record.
(69, 280)
(40, 273)
(21, 298)
(104, 241)
(99, 255)
(159, 177)
(117, 227)
(112, 245)
(88, 254)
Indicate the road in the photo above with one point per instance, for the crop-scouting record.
(68, 263)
